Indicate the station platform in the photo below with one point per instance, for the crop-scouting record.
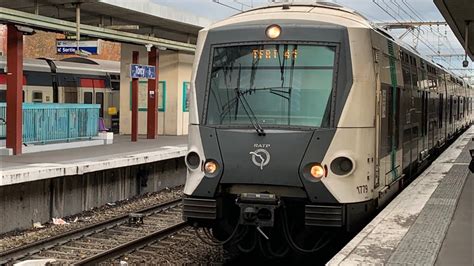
(428, 223)
(122, 153)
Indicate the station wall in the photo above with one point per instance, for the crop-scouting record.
(174, 74)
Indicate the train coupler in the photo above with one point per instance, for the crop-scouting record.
(257, 209)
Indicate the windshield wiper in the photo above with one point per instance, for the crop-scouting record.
(252, 117)
(245, 104)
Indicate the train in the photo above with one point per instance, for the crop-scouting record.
(305, 120)
(71, 80)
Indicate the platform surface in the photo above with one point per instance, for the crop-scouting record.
(429, 223)
(123, 152)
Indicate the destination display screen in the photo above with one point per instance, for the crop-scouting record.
(274, 54)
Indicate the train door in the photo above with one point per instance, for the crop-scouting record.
(408, 116)
(389, 133)
(407, 128)
(87, 97)
(93, 92)
(70, 93)
(441, 124)
(431, 119)
(99, 99)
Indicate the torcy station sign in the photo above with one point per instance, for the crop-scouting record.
(70, 46)
(142, 71)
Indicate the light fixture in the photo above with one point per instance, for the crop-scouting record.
(210, 167)
(317, 171)
(273, 31)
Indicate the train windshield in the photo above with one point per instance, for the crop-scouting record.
(271, 84)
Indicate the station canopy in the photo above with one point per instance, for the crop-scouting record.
(457, 14)
(132, 21)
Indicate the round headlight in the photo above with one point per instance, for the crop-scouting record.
(210, 167)
(342, 166)
(192, 160)
(273, 31)
(317, 171)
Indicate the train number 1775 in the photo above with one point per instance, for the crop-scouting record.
(363, 189)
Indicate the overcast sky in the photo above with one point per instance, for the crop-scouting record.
(402, 10)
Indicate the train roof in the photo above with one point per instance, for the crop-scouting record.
(112, 67)
(28, 64)
(320, 11)
(317, 11)
(74, 65)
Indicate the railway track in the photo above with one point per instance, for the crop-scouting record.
(105, 240)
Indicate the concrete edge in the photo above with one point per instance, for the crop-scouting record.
(376, 241)
(45, 171)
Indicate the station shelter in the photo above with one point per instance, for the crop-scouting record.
(150, 34)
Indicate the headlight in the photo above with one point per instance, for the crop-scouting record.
(210, 167)
(342, 166)
(317, 171)
(314, 171)
(273, 31)
(192, 160)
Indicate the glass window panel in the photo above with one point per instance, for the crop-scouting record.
(281, 84)
(88, 97)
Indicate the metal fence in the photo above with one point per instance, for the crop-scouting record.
(44, 123)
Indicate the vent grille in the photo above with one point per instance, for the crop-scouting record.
(199, 208)
(323, 215)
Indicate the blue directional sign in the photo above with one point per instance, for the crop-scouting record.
(142, 71)
(70, 46)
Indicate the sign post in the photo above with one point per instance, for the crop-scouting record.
(149, 72)
(14, 89)
(152, 95)
(134, 99)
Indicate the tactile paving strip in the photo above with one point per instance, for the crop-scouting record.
(424, 239)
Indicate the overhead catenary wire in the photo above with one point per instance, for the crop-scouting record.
(404, 12)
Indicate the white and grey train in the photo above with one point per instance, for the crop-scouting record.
(304, 120)
(71, 80)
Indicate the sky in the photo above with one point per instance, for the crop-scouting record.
(429, 41)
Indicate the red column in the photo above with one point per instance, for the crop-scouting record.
(135, 101)
(152, 113)
(14, 89)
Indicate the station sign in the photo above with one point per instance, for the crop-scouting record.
(70, 46)
(142, 71)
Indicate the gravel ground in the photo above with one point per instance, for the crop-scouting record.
(183, 248)
(18, 238)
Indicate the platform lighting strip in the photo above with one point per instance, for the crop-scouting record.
(42, 22)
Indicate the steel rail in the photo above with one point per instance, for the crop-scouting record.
(47, 243)
(132, 245)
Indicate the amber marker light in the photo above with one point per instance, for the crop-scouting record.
(273, 31)
(317, 171)
(210, 167)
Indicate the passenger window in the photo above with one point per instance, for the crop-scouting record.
(3, 96)
(88, 97)
(37, 97)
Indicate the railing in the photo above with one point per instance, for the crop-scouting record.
(44, 123)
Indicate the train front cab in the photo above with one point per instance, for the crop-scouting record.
(340, 198)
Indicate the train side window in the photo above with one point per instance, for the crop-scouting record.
(415, 132)
(458, 108)
(441, 110)
(88, 97)
(3, 96)
(99, 99)
(450, 109)
(37, 97)
(406, 77)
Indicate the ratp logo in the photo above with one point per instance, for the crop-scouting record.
(260, 158)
